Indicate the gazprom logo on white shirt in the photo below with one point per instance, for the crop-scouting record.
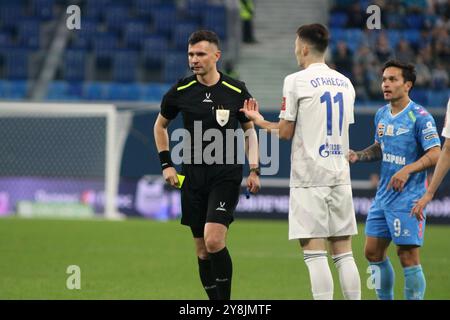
(392, 158)
(326, 150)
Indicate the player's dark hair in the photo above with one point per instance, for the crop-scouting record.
(204, 35)
(315, 34)
(408, 69)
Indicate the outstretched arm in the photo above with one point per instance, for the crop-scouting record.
(428, 160)
(284, 129)
(442, 167)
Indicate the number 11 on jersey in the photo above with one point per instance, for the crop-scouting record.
(338, 98)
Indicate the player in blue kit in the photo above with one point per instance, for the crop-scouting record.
(407, 143)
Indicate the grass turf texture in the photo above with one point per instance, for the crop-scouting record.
(141, 259)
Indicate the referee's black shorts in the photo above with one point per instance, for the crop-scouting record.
(210, 193)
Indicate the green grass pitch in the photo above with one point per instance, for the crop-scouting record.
(141, 259)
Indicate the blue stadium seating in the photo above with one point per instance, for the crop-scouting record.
(116, 17)
(338, 20)
(182, 32)
(415, 21)
(13, 90)
(95, 91)
(215, 18)
(75, 65)
(155, 48)
(16, 64)
(125, 66)
(134, 33)
(121, 92)
(43, 9)
(163, 18)
(413, 36)
(57, 90)
(10, 14)
(29, 32)
(195, 9)
(175, 66)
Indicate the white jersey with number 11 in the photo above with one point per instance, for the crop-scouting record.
(321, 102)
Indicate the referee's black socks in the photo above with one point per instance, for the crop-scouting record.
(222, 269)
(207, 278)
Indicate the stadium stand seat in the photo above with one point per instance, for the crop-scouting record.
(74, 65)
(16, 64)
(125, 66)
(155, 48)
(175, 66)
(215, 18)
(182, 32)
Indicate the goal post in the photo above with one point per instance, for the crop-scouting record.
(68, 147)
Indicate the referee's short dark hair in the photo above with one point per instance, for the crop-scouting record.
(408, 69)
(204, 35)
(315, 34)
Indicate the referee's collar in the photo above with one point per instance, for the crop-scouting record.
(213, 85)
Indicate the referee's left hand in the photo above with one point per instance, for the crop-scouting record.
(170, 175)
(253, 184)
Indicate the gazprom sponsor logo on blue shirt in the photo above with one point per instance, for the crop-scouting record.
(392, 158)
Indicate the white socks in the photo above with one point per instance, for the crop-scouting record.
(322, 280)
(320, 274)
(348, 275)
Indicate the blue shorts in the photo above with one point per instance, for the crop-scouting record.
(398, 226)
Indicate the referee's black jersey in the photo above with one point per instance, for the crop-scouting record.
(204, 104)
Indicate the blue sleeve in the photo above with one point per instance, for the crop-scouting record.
(377, 118)
(426, 132)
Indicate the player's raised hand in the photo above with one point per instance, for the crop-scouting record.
(420, 205)
(399, 180)
(352, 156)
(251, 110)
(170, 175)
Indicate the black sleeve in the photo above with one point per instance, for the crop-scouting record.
(245, 96)
(169, 106)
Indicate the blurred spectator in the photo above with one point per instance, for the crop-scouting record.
(439, 77)
(229, 69)
(247, 13)
(356, 18)
(374, 81)
(364, 56)
(404, 52)
(383, 50)
(343, 59)
(415, 6)
(360, 83)
(419, 32)
(423, 73)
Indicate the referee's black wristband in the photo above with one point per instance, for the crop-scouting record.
(164, 158)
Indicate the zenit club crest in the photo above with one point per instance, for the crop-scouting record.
(380, 129)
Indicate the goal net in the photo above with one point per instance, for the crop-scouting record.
(60, 159)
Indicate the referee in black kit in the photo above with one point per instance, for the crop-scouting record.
(210, 193)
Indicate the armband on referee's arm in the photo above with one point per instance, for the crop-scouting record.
(164, 158)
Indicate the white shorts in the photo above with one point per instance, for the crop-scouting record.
(321, 212)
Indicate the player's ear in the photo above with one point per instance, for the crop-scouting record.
(218, 54)
(408, 85)
(305, 50)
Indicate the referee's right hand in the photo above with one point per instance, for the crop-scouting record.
(170, 175)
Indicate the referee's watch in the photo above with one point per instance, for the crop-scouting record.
(256, 170)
